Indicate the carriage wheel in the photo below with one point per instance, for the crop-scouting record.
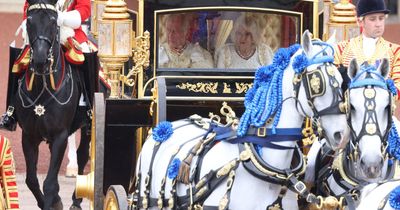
(91, 186)
(116, 198)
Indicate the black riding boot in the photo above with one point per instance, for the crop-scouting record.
(89, 76)
(8, 120)
(90, 69)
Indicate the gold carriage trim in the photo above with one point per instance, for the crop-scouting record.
(210, 87)
(8, 183)
(242, 87)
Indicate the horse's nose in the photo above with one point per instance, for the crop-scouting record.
(338, 136)
(341, 137)
(372, 168)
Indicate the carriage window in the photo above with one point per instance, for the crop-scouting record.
(226, 40)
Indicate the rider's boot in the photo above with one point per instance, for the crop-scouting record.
(90, 69)
(89, 74)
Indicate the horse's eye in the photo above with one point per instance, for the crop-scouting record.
(53, 18)
(29, 18)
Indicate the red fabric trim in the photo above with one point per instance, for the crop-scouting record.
(23, 54)
(62, 69)
(13, 194)
(24, 11)
(8, 173)
(27, 79)
(14, 206)
(11, 184)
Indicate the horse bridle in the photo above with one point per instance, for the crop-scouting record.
(370, 125)
(314, 83)
(51, 42)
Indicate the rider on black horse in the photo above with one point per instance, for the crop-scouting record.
(78, 51)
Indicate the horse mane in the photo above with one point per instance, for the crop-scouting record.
(264, 99)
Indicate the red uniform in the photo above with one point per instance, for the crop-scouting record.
(8, 182)
(83, 7)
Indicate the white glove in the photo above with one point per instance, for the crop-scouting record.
(60, 18)
(70, 19)
(24, 34)
(162, 56)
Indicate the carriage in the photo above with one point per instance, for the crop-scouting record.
(143, 92)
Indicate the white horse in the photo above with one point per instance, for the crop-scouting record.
(236, 175)
(382, 195)
(366, 159)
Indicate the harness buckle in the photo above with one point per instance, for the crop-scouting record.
(261, 131)
(10, 111)
(300, 187)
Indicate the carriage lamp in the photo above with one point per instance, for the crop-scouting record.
(114, 41)
(97, 7)
(343, 20)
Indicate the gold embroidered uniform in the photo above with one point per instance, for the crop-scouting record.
(353, 48)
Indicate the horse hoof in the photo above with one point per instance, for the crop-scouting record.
(58, 205)
(73, 207)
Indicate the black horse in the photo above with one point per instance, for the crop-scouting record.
(47, 104)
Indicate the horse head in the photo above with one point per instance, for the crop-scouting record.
(42, 30)
(370, 109)
(320, 96)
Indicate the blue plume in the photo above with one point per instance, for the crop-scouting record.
(173, 168)
(162, 131)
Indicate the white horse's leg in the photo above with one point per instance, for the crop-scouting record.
(72, 167)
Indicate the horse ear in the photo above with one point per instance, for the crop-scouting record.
(306, 42)
(384, 67)
(353, 68)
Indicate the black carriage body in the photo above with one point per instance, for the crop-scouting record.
(188, 91)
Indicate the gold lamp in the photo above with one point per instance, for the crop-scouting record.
(114, 41)
(97, 7)
(343, 20)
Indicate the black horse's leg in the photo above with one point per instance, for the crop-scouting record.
(30, 147)
(50, 184)
(83, 157)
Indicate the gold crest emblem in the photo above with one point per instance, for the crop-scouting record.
(315, 83)
(39, 110)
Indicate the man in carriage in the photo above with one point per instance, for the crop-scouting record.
(78, 51)
(370, 46)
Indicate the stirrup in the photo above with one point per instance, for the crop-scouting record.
(10, 111)
(8, 121)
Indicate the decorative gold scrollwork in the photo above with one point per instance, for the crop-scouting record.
(242, 87)
(141, 57)
(210, 87)
(315, 83)
(227, 88)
